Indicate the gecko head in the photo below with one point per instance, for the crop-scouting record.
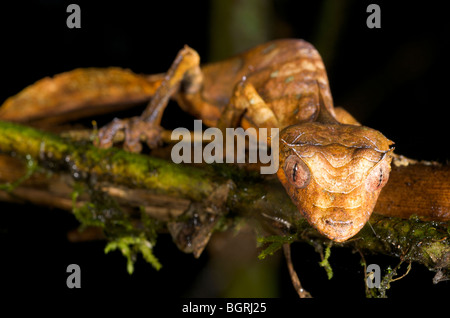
(334, 174)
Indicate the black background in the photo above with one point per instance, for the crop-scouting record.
(393, 79)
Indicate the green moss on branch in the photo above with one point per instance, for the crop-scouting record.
(114, 165)
(254, 198)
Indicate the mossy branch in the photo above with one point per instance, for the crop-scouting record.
(219, 197)
(113, 165)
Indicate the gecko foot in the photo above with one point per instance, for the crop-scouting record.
(134, 131)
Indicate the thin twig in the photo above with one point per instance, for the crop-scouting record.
(302, 293)
(406, 273)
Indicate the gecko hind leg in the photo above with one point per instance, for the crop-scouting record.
(185, 69)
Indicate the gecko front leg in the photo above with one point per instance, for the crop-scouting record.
(247, 109)
(185, 69)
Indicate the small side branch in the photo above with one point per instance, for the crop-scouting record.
(302, 293)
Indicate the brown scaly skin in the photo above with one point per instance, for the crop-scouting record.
(332, 168)
(346, 168)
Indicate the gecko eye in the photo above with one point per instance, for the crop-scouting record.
(378, 177)
(297, 172)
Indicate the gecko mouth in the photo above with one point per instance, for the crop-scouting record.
(340, 231)
(338, 228)
(338, 223)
